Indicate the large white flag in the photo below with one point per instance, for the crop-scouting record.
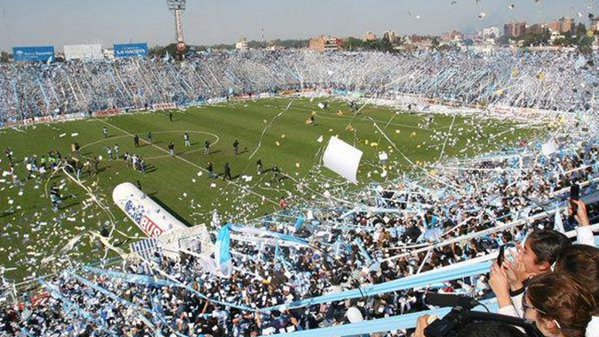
(549, 148)
(342, 159)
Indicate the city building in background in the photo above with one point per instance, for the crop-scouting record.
(562, 26)
(370, 36)
(514, 29)
(242, 44)
(491, 33)
(325, 43)
(391, 36)
(453, 36)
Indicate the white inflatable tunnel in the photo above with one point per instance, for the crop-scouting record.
(148, 215)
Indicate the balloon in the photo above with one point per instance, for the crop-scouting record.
(354, 315)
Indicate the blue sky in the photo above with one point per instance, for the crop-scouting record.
(59, 22)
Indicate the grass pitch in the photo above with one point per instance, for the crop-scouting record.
(35, 240)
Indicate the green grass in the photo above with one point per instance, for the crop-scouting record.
(31, 231)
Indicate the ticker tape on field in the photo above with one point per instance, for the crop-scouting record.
(400, 322)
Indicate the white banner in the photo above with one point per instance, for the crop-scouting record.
(342, 159)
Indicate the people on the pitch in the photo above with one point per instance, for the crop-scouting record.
(186, 138)
(227, 174)
(210, 169)
(259, 166)
(207, 147)
(150, 140)
(277, 175)
(136, 140)
(236, 146)
(8, 152)
(105, 132)
(171, 149)
(135, 161)
(55, 198)
(75, 148)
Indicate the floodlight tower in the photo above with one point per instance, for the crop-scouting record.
(178, 6)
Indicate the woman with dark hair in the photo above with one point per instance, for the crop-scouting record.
(559, 305)
(535, 257)
(582, 263)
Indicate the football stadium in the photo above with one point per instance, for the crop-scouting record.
(444, 186)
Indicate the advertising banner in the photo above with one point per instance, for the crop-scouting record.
(33, 54)
(86, 52)
(109, 112)
(131, 50)
(164, 106)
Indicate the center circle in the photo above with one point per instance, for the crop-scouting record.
(216, 137)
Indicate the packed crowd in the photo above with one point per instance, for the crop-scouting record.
(348, 247)
(383, 233)
(551, 81)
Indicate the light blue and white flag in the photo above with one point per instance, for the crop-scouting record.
(222, 251)
(299, 222)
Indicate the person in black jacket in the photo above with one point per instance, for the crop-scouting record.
(227, 174)
(236, 146)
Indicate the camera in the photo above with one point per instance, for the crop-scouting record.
(574, 196)
(507, 252)
(462, 315)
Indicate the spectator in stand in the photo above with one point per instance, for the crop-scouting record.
(508, 281)
(539, 254)
(559, 305)
(581, 262)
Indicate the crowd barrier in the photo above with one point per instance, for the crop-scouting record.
(400, 322)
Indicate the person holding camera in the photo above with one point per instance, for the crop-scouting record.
(584, 234)
(543, 252)
(510, 276)
(540, 251)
